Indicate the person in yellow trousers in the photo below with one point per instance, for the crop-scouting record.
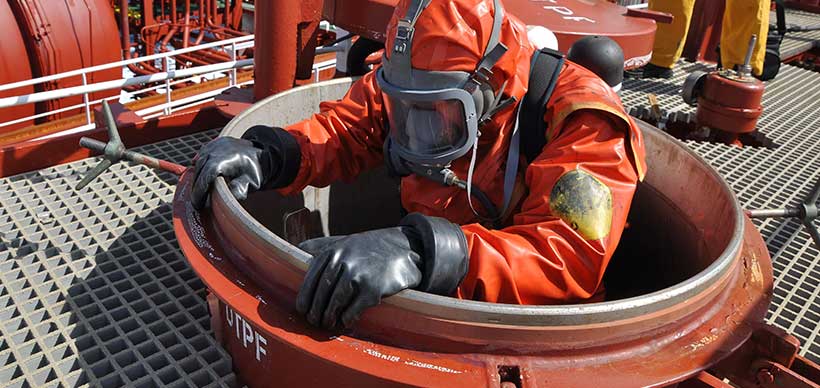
(741, 19)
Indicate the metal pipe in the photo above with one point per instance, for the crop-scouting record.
(815, 193)
(748, 60)
(186, 32)
(202, 13)
(237, 14)
(136, 157)
(125, 29)
(168, 37)
(771, 213)
(746, 69)
(85, 102)
(276, 23)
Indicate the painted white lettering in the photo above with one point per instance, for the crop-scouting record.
(260, 349)
(247, 333)
(239, 320)
(579, 19)
(561, 10)
(229, 315)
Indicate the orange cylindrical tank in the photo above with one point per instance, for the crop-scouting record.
(730, 102)
(66, 35)
(13, 68)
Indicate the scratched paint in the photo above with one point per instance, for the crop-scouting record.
(757, 273)
(703, 342)
(410, 362)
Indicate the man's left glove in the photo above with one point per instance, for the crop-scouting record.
(264, 157)
(349, 274)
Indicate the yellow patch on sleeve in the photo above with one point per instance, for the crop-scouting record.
(584, 203)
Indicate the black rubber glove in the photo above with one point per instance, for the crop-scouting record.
(264, 157)
(349, 274)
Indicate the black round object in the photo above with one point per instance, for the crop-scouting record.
(601, 55)
(358, 53)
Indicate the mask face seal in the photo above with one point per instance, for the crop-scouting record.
(430, 127)
(433, 116)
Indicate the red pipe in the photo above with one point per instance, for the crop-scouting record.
(124, 30)
(275, 23)
(202, 13)
(168, 38)
(148, 12)
(186, 32)
(237, 14)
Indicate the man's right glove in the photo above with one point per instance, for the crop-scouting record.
(349, 274)
(264, 157)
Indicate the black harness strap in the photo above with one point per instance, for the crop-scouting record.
(546, 65)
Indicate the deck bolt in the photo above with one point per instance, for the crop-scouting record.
(765, 376)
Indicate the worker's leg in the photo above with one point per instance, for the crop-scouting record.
(669, 38)
(742, 19)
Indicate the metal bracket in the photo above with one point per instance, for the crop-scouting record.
(114, 151)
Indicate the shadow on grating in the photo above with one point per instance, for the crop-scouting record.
(93, 288)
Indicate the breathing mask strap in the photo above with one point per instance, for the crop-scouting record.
(403, 43)
(470, 171)
(511, 170)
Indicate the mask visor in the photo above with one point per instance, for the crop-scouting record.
(430, 126)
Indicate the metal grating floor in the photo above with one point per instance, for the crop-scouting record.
(93, 288)
(798, 42)
(95, 292)
(765, 178)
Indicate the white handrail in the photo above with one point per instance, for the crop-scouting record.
(120, 83)
(161, 80)
(131, 61)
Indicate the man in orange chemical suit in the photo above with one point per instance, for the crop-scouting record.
(442, 110)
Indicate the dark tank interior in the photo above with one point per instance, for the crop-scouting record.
(660, 247)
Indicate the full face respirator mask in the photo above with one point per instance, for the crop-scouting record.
(434, 116)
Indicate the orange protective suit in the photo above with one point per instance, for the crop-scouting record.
(537, 258)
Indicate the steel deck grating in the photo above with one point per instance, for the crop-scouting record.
(798, 42)
(94, 290)
(766, 178)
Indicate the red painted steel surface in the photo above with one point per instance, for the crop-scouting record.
(33, 155)
(366, 18)
(14, 67)
(283, 33)
(730, 104)
(266, 338)
(68, 35)
(570, 20)
(254, 282)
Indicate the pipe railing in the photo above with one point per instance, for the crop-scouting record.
(225, 43)
(160, 83)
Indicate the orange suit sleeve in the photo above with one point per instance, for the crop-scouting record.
(343, 140)
(540, 259)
